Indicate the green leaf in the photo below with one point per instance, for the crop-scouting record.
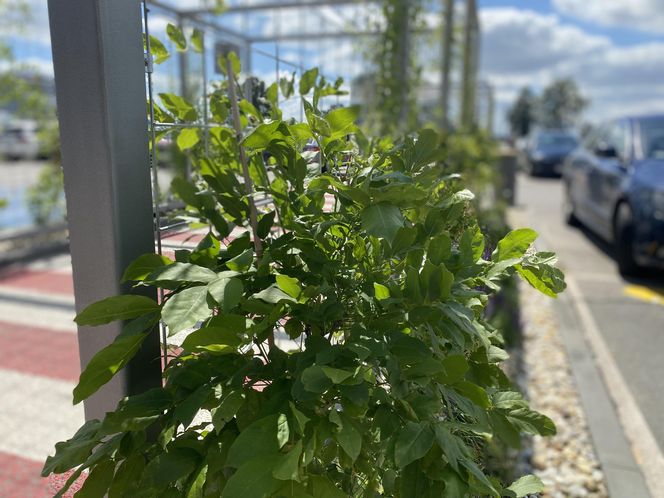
(336, 375)
(235, 63)
(226, 292)
(265, 224)
(241, 262)
(227, 409)
(526, 485)
(324, 488)
(196, 489)
(288, 467)
(216, 339)
(106, 363)
(254, 479)
(504, 429)
(452, 446)
(188, 138)
(116, 308)
(71, 453)
(412, 443)
(179, 106)
(382, 220)
(186, 410)
(158, 50)
(440, 248)
(185, 309)
(300, 417)
(169, 467)
(456, 367)
(273, 295)
(476, 472)
(260, 438)
(176, 274)
(348, 436)
(546, 278)
(197, 40)
(186, 191)
(342, 120)
(265, 133)
(139, 411)
(308, 80)
(127, 476)
(381, 292)
(474, 393)
(283, 431)
(289, 285)
(98, 481)
(177, 37)
(142, 266)
(532, 422)
(514, 244)
(509, 400)
(314, 379)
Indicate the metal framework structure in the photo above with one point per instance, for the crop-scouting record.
(111, 179)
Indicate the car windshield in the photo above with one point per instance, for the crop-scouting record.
(652, 138)
(556, 141)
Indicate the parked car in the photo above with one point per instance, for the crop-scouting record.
(547, 150)
(614, 185)
(20, 140)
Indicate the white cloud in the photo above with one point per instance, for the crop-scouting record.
(645, 15)
(526, 48)
(526, 41)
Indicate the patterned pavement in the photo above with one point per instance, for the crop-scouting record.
(41, 367)
(38, 371)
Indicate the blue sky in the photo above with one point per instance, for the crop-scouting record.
(614, 49)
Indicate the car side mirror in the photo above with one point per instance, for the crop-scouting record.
(603, 149)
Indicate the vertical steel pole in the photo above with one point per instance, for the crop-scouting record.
(100, 88)
(468, 81)
(448, 42)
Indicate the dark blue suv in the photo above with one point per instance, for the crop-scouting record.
(614, 185)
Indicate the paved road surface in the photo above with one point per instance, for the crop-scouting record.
(629, 314)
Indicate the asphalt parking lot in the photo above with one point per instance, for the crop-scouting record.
(626, 315)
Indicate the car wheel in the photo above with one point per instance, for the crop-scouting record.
(533, 170)
(569, 211)
(624, 240)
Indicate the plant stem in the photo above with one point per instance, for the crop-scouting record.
(248, 184)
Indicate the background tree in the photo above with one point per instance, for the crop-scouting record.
(561, 104)
(522, 114)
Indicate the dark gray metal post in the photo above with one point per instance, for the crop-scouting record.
(100, 87)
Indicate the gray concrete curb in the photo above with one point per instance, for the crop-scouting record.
(619, 432)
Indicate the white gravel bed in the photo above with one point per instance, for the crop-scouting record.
(566, 462)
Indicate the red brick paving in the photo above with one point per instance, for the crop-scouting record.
(40, 352)
(41, 281)
(19, 478)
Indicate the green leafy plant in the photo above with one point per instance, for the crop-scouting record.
(336, 349)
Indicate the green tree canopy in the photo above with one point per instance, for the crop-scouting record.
(561, 104)
(522, 114)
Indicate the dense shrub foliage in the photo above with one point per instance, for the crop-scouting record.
(336, 349)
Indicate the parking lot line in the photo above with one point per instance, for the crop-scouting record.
(645, 294)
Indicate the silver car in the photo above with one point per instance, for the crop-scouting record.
(20, 140)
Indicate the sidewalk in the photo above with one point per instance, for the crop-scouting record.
(41, 367)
